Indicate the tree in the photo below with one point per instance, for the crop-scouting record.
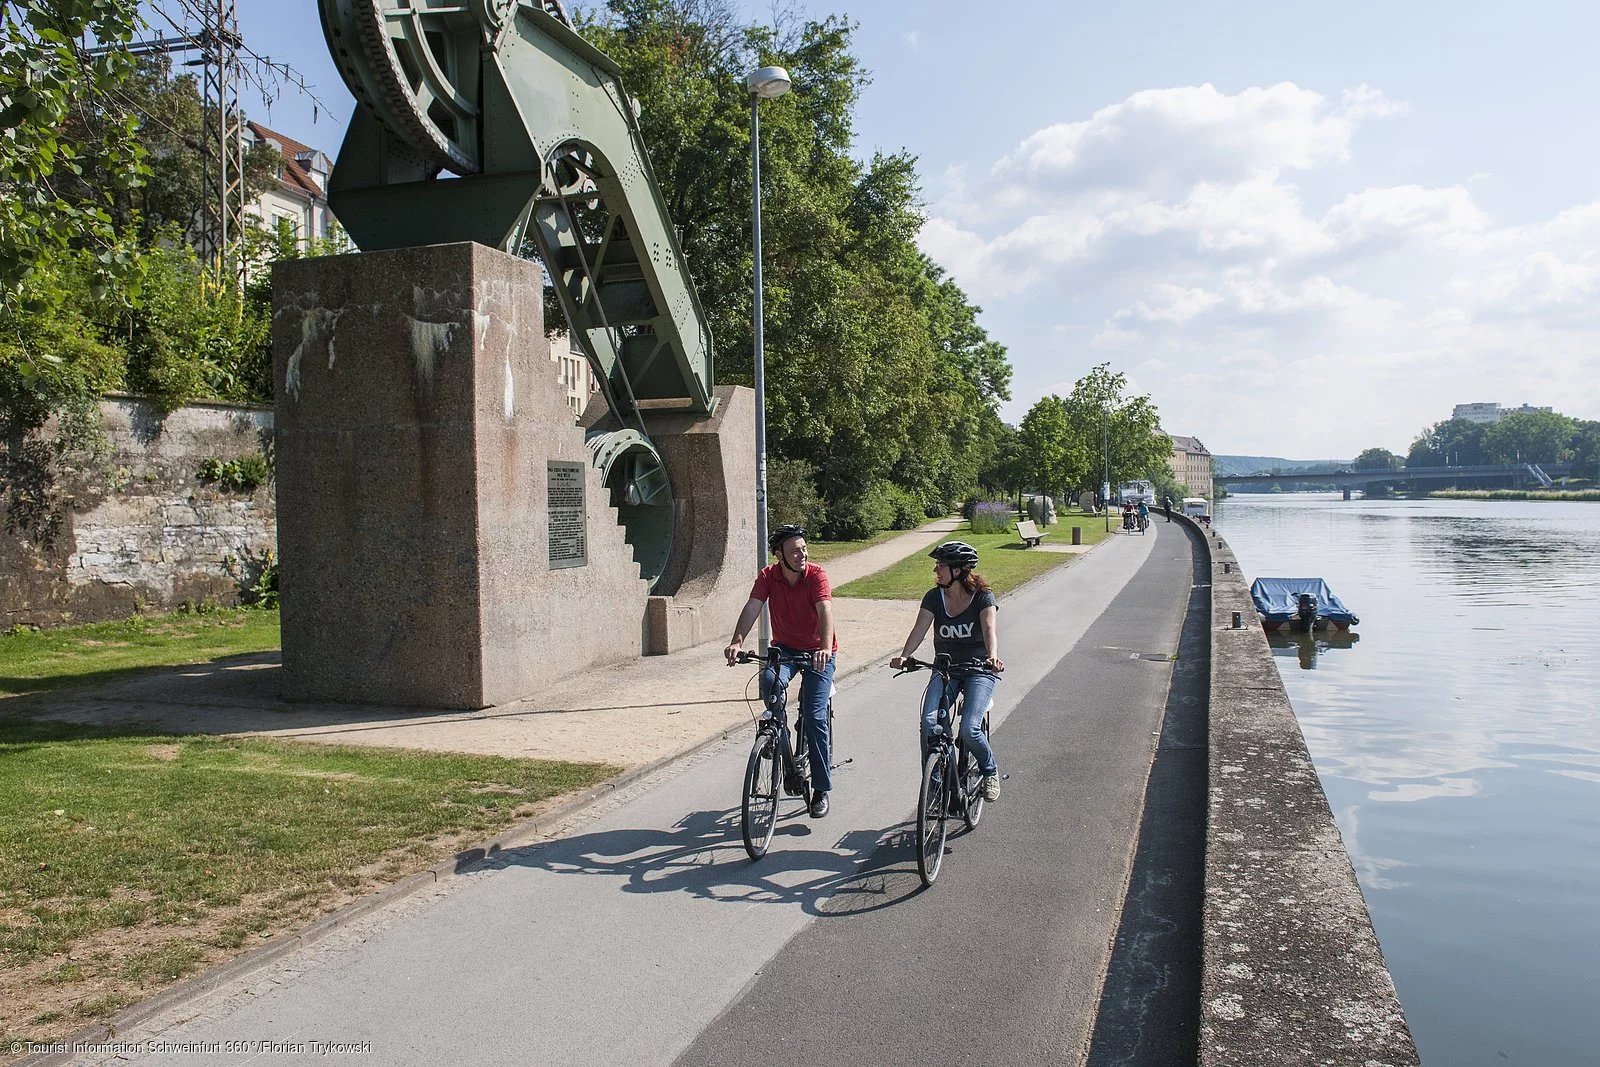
(1049, 453)
(1377, 459)
(1528, 437)
(171, 133)
(878, 374)
(1586, 450)
(1451, 443)
(49, 85)
(1126, 429)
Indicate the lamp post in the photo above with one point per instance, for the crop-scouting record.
(763, 83)
(1105, 457)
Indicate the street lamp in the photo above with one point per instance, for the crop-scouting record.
(763, 83)
(1105, 456)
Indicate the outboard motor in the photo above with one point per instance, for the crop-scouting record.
(1306, 612)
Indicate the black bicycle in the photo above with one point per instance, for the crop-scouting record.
(780, 763)
(952, 780)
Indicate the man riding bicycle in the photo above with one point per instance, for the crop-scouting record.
(801, 602)
(963, 611)
(1144, 514)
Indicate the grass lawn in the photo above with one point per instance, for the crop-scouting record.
(35, 660)
(823, 551)
(128, 858)
(1004, 561)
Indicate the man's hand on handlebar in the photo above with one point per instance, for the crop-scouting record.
(820, 658)
(732, 652)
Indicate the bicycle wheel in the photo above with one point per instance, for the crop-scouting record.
(762, 782)
(932, 811)
(972, 787)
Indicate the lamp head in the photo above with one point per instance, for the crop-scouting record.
(768, 83)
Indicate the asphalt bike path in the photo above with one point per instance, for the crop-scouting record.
(624, 939)
(999, 962)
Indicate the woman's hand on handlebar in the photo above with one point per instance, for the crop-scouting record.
(995, 663)
(897, 662)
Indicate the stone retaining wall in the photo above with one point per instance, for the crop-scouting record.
(1292, 970)
(144, 533)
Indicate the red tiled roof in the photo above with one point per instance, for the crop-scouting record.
(294, 177)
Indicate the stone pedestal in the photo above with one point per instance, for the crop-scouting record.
(418, 418)
(712, 464)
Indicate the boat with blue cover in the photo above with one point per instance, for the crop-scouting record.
(1299, 604)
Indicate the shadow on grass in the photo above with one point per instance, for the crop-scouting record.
(18, 689)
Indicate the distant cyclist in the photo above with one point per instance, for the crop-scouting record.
(1144, 514)
(802, 621)
(962, 611)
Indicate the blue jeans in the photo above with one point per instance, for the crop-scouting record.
(978, 690)
(815, 688)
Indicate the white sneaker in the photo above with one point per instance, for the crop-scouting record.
(991, 787)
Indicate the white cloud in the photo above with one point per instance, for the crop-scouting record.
(1171, 303)
(1366, 102)
(1169, 232)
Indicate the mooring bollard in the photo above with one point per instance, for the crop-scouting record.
(1227, 568)
(1238, 621)
(1077, 535)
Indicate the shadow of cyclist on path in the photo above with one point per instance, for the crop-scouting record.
(702, 855)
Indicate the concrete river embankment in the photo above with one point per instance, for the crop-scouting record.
(1292, 972)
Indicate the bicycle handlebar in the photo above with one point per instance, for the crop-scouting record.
(911, 663)
(796, 658)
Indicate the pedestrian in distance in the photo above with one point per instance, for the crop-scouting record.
(801, 602)
(1166, 505)
(962, 612)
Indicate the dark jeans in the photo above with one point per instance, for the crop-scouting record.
(815, 689)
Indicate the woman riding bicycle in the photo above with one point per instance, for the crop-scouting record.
(962, 611)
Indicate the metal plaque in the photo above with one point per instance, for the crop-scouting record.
(569, 528)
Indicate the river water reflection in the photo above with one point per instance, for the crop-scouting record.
(1458, 740)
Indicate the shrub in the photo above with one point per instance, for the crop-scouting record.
(792, 494)
(909, 511)
(862, 515)
(991, 516)
(242, 475)
(257, 576)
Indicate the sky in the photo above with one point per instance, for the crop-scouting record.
(1302, 230)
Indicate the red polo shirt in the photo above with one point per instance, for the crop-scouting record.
(794, 607)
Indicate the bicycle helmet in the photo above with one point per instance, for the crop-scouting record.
(957, 555)
(777, 537)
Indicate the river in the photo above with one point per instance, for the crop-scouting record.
(1458, 740)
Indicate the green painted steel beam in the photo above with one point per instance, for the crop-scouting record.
(544, 145)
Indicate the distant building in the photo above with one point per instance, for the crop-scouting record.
(1191, 465)
(1486, 413)
(299, 200)
(575, 374)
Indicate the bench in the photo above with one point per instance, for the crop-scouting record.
(1029, 532)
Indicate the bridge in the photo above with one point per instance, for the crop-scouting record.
(1511, 473)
